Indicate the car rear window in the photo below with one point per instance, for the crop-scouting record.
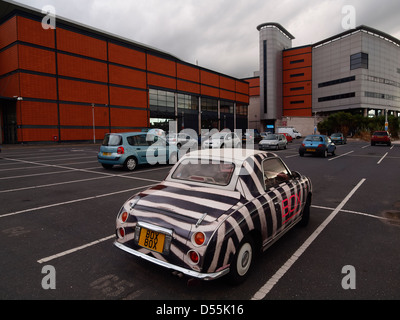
(112, 140)
(380, 133)
(313, 138)
(204, 171)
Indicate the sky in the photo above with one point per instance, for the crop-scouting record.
(221, 35)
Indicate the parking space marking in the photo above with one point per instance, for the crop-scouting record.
(64, 253)
(264, 290)
(84, 170)
(354, 212)
(379, 162)
(74, 201)
(365, 146)
(51, 184)
(342, 155)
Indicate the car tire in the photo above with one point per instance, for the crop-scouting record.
(107, 166)
(242, 261)
(130, 164)
(301, 154)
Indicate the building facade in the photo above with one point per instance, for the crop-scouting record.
(356, 71)
(76, 83)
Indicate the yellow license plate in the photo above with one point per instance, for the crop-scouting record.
(310, 150)
(106, 153)
(152, 240)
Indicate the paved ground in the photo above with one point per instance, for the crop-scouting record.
(58, 209)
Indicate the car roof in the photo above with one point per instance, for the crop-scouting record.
(228, 154)
(316, 135)
(128, 133)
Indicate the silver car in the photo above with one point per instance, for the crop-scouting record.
(273, 141)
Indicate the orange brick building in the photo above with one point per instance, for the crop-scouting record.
(75, 83)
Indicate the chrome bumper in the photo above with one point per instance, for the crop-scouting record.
(190, 273)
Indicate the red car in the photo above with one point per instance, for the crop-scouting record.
(288, 137)
(381, 137)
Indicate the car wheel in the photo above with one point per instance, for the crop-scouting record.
(301, 154)
(242, 261)
(130, 164)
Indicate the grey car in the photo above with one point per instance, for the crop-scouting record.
(273, 141)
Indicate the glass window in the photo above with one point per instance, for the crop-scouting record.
(208, 104)
(139, 140)
(359, 60)
(275, 172)
(197, 170)
(160, 98)
(241, 109)
(112, 140)
(189, 102)
(226, 107)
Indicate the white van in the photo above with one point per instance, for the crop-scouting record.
(290, 131)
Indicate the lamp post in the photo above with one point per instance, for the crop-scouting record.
(94, 126)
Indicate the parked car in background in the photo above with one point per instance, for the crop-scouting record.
(179, 139)
(289, 130)
(265, 134)
(214, 212)
(338, 138)
(288, 137)
(130, 149)
(381, 137)
(317, 144)
(251, 136)
(222, 140)
(273, 141)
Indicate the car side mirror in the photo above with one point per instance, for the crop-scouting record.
(296, 175)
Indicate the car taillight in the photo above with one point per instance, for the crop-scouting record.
(120, 150)
(124, 216)
(320, 145)
(198, 238)
(121, 233)
(193, 256)
(303, 145)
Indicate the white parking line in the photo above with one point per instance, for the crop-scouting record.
(365, 146)
(73, 201)
(51, 184)
(379, 162)
(64, 253)
(292, 156)
(342, 155)
(356, 212)
(264, 290)
(73, 181)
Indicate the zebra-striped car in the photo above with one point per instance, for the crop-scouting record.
(214, 210)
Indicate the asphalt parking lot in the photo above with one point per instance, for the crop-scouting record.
(58, 209)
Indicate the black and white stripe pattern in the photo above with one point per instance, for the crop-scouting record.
(230, 215)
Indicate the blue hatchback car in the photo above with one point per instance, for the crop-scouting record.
(131, 149)
(317, 144)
